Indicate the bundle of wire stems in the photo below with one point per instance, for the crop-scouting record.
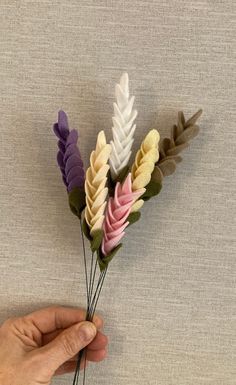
(94, 285)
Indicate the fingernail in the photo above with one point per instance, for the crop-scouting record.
(98, 321)
(87, 331)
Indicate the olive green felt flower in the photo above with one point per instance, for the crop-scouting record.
(170, 148)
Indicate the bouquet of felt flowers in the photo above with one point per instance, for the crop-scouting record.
(109, 195)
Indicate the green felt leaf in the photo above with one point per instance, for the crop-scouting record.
(86, 230)
(157, 175)
(153, 188)
(110, 184)
(103, 260)
(123, 174)
(77, 201)
(120, 178)
(96, 240)
(133, 217)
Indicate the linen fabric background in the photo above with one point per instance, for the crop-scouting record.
(169, 301)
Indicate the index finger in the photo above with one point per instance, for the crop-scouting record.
(58, 317)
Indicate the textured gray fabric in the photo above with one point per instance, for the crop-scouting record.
(169, 301)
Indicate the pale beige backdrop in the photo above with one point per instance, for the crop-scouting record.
(170, 299)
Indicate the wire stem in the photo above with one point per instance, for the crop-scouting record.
(85, 262)
(92, 301)
(85, 359)
(90, 279)
(77, 370)
(95, 294)
(99, 293)
(93, 280)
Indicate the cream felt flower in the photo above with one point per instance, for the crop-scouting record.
(95, 184)
(123, 127)
(144, 164)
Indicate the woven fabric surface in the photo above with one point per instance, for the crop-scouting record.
(169, 300)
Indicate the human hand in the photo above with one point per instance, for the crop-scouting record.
(37, 346)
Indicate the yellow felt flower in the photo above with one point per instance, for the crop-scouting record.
(144, 164)
(95, 184)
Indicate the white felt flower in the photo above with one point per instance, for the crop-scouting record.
(123, 127)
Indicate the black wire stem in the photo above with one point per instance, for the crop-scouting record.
(92, 301)
(85, 262)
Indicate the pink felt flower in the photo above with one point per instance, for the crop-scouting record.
(117, 212)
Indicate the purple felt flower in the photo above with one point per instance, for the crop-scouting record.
(68, 157)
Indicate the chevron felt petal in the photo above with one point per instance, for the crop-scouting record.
(117, 212)
(144, 164)
(95, 184)
(68, 157)
(123, 127)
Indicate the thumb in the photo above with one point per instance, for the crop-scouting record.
(67, 344)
